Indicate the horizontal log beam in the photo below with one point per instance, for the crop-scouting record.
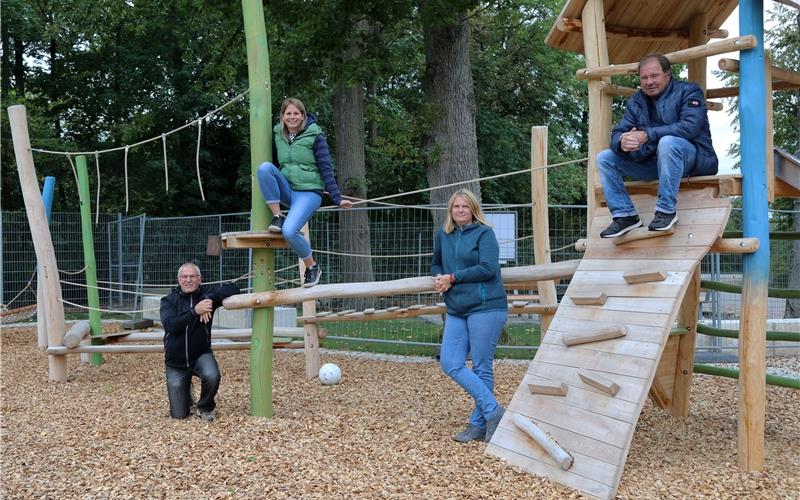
(230, 334)
(138, 348)
(618, 90)
(402, 313)
(568, 25)
(778, 74)
(722, 245)
(734, 91)
(680, 56)
(521, 274)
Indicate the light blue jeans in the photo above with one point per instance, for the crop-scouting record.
(675, 159)
(476, 334)
(302, 204)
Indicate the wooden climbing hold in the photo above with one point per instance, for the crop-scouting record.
(608, 386)
(588, 299)
(641, 233)
(611, 332)
(549, 388)
(543, 439)
(369, 310)
(633, 277)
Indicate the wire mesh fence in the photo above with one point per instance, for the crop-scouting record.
(140, 255)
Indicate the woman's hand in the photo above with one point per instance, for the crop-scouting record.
(346, 204)
(442, 283)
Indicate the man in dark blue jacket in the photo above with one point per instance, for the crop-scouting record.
(187, 314)
(664, 134)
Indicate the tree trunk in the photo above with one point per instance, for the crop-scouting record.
(451, 146)
(19, 66)
(354, 234)
(5, 79)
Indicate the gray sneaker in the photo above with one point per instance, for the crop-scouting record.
(205, 416)
(493, 422)
(471, 433)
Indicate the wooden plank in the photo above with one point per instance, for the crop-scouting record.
(638, 333)
(596, 314)
(588, 297)
(540, 220)
(550, 388)
(597, 360)
(522, 460)
(632, 389)
(681, 235)
(622, 253)
(641, 290)
(598, 382)
(639, 349)
(661, 305)
(684, 366)
(665, 371)
(252, 239)
(658, 394)
(677, 265)
(641, 233)
(687, 216)
(632, 277)
(586, 398)
(595, 335)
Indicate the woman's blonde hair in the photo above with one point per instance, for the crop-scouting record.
(297, 103)
(474, 206)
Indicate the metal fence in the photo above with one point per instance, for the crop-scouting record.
(141, 254)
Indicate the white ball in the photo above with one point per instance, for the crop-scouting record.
(330, 374)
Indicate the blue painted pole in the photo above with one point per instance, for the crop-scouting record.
(48, 188)
(753, 321)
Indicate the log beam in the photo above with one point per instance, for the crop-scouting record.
(779, 74)
(568, 25)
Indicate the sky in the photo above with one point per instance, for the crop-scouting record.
(722, 133)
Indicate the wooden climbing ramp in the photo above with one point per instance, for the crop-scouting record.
(613, 349)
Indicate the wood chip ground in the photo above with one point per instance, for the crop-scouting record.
(384, 432)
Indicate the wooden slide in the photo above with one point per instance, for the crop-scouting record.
(610, 345)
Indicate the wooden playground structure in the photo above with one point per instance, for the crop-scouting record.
(626, 328)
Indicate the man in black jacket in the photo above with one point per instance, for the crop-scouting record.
(186, 314)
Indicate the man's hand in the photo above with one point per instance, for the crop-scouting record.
(204, 308)
(633, 140)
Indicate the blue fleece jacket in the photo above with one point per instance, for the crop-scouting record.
(682, 112)
(472, 255)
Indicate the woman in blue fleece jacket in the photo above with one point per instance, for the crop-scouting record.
(466, 270)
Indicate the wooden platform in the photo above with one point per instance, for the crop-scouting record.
(253, 239)
(593, 426)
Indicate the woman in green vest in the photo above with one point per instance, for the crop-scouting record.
(302, 172)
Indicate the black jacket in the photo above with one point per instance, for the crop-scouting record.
(186, 338)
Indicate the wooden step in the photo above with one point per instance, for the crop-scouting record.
(253, 239)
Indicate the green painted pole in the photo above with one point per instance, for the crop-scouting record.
(778, 293)
(774, 336)
(88, 255)
(789, 382)
(260, 151)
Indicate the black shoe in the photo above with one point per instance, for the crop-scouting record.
(620, 226)
(276, 226)
(662, 221)
(313, 274)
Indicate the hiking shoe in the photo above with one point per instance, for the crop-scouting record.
(206, 416)
(662, 221)
(493, 422)
(313, 274)
(620, 226)
(471, 433)
(276, 226)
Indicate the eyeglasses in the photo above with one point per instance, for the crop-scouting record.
(185, 277)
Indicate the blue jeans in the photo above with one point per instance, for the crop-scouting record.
(477, 334)
(179, 383)
(675, 159)
(276, 189)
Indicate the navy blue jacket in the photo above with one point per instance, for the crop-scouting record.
(186, 338)
(472, 255)
(682, 108)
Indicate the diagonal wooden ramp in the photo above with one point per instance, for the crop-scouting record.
(595, 427)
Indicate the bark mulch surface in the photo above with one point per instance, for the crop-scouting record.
(384, 432)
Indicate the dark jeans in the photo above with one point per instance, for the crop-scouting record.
(179, 383)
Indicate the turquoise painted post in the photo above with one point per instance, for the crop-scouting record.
(48, 188)
(753, 321)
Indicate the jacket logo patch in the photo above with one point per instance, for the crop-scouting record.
(694, 103)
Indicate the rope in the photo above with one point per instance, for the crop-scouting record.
(166, 170)
(27, 285)
(197, 158)
(72, 273)
(169, 285)
(118, 290)
(112, 311)
(126, 178)
(479, 179)
(121, 148)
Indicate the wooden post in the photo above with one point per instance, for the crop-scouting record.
(698, 36)
(41, 325)
(541, 225)
(260, 151)
(311, 338)
(753, 324)
(595, 50)
(42, 242)
(687, 318)
(89, 260)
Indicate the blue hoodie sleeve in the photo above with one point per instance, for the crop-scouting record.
(322, 156)
(488, 260)
(436, 262)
